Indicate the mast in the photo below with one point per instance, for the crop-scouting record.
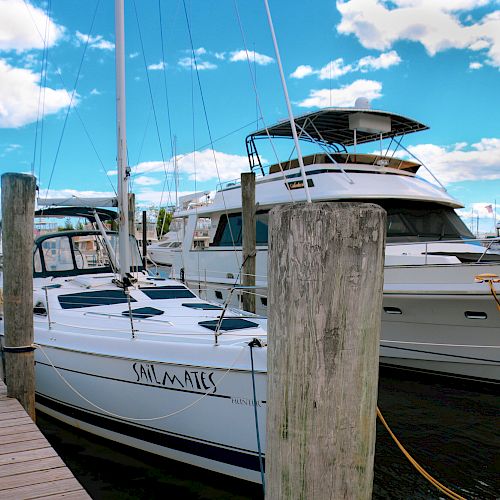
(121, 133)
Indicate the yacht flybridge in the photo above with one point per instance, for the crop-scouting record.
(439, 313)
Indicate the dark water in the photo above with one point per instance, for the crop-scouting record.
(452, 430)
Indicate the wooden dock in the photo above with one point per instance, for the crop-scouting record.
(29, 467)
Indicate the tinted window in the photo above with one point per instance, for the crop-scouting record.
(228, 324)
(168, 292)
(90, 299)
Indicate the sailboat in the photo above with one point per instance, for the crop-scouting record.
(140, 359)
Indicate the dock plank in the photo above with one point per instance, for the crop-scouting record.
(34, 477)
(54, 488)
(17, 429)
(26, 456)
(29, 467)
(18, 437)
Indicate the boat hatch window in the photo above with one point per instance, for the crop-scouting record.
(57, 254)
(203, 305)
(90, 299)
(168, 292)
(228, 232)
(229, 324)
(142, 312)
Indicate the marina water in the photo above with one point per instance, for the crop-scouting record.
(449, 427)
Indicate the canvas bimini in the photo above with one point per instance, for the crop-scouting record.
(439, 314)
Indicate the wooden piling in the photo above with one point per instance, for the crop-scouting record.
(144, 239)
(325, 300)
(18, 206)
(249, 236)
(131, 214)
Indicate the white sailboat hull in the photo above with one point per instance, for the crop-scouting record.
(216, 431)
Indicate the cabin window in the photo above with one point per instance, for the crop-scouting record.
(218, 294)
(142, 312)
(91, 299)
(168, 292)
(232, 231)
(228, 324)
(204, 306)
(57, 254)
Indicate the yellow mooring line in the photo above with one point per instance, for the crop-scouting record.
(441, 487)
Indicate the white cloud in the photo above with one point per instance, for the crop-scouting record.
(383, 61)
(188, 62)
(17, 30)
(133, 55)
(157, 66)
(144, 180)
(200, 165)
(220, 55)
(95, 92)
(337, 68)
(302, 71)
(19, 90)
(200, 51)
(459, 162)
(343, 96)
(334, 69)
(475, 65)
(242, 55)
(436, 24)
(95, 42)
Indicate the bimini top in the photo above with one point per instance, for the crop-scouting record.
(86, 212)
(337, 126)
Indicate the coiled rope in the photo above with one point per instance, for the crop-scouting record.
(441, 487)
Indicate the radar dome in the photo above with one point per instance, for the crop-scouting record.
(362, 103)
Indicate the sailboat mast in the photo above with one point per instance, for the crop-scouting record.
(121, 133)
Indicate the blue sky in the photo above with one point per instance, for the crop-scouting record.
(437, 61)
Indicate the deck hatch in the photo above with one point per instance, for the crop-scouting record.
(143, 312)
(91, 299)
(168, 292)
(229, 324)
(203, 306)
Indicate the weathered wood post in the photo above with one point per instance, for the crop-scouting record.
(325, 301)
(18, 207)
(144, 239)
(249, 236)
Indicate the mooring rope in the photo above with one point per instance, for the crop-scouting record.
(441, 487)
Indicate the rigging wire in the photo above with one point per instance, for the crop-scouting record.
(152, 100)
(72, 98)
(257, 98)
(45, 42)
(208, 123)
(44, 57)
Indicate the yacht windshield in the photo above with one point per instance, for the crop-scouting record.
(407, 221)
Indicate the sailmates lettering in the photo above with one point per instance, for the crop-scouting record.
(192, 380)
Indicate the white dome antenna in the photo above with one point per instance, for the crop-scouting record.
(362, 103)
